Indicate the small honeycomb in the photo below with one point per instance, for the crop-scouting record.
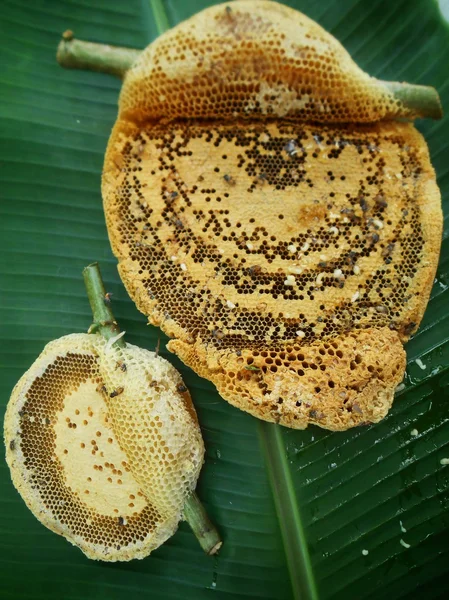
(116, 492)
(243, 233)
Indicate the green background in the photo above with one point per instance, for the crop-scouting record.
(353, 489)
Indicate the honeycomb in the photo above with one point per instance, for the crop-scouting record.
(115, 491)
(288, 256)
(253, 58)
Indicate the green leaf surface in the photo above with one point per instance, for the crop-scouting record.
(296, 508)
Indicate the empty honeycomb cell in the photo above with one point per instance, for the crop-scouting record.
(261, 204)
(78, 457)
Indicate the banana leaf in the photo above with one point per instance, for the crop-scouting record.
(303, 514)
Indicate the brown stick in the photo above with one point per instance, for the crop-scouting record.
(423, 100)
(77, 54)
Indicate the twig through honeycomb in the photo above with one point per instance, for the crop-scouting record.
(83, 477)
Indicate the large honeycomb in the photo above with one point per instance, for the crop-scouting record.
(289, 257)
(103, 445)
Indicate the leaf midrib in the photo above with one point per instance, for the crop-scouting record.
(295, 544)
